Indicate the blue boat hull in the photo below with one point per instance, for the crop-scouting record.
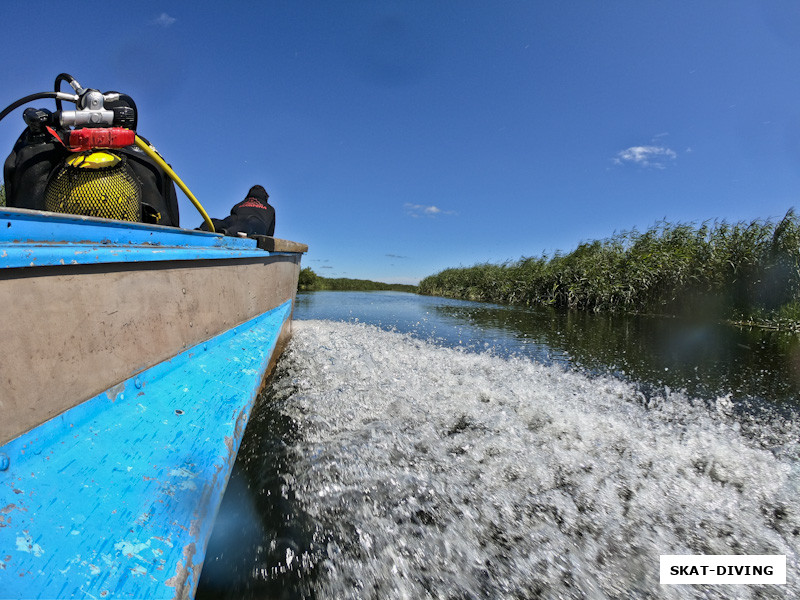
(115, 496)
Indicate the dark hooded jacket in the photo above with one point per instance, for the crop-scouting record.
(252, 216)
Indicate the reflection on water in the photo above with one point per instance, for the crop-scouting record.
(447, 464)
(705, 359)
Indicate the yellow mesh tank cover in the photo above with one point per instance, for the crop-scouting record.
(95, 184)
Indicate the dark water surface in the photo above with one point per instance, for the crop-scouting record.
(417, 447)
(706, 359)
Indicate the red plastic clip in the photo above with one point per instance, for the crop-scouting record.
(111, 137)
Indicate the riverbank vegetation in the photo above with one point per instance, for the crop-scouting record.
(309, 281)
(744, 272)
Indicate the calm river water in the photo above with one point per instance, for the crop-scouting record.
(417, 447)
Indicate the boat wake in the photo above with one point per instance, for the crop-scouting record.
(424, 471)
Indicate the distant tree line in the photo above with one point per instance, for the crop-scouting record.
(309, 281)
(744, 272)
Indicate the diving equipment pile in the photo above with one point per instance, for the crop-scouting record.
(90, 161)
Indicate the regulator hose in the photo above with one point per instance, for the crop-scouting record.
(57, 95)
(69, 79)
(163, 164)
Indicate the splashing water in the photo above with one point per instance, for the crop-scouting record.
(429, 472)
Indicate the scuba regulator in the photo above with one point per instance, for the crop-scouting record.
(90, 161)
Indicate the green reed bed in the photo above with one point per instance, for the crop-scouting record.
(745, 272)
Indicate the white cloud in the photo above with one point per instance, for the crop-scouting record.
(417, 210)
(657, 157)
(164, 20)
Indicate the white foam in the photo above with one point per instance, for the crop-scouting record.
(431, 472)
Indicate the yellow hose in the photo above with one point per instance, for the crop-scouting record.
(162, 163)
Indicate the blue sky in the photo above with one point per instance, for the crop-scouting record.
(401, 138)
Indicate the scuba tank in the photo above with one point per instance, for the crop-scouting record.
(90, 161)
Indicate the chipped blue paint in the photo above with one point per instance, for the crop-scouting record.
(31, 238)
(117, 496)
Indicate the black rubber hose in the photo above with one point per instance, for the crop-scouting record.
(25, 100)
(57, 87)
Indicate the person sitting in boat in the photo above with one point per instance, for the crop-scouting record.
(252, 216)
